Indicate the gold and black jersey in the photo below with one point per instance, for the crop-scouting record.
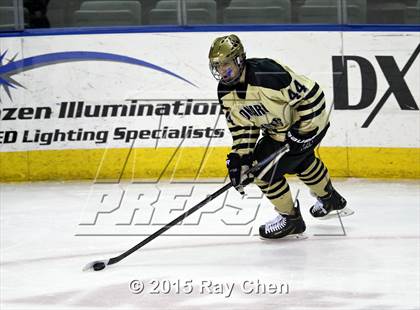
(271, 98)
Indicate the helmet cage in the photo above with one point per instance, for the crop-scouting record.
(236, 64)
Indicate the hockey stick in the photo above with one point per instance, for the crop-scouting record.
(101, 264)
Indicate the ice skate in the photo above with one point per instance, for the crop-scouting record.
(284, 227)
(330, 206)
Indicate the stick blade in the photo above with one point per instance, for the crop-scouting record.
(96, 265)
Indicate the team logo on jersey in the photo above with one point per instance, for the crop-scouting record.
(276, 122)
(249, 111)
(13, 67)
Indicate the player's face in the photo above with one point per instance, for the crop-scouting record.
(228, 71)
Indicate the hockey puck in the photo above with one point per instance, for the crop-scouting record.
(98, 266)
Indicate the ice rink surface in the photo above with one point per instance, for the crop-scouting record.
(49, 231)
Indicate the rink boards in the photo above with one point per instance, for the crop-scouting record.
(144, 105)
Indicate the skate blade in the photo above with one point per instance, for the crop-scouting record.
(301, 236)
(346, 211)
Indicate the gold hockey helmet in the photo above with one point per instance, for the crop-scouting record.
(227, 59)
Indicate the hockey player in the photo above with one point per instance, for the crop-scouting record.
(261, 95)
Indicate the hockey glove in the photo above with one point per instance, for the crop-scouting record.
(237, 166)
(300, 143)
